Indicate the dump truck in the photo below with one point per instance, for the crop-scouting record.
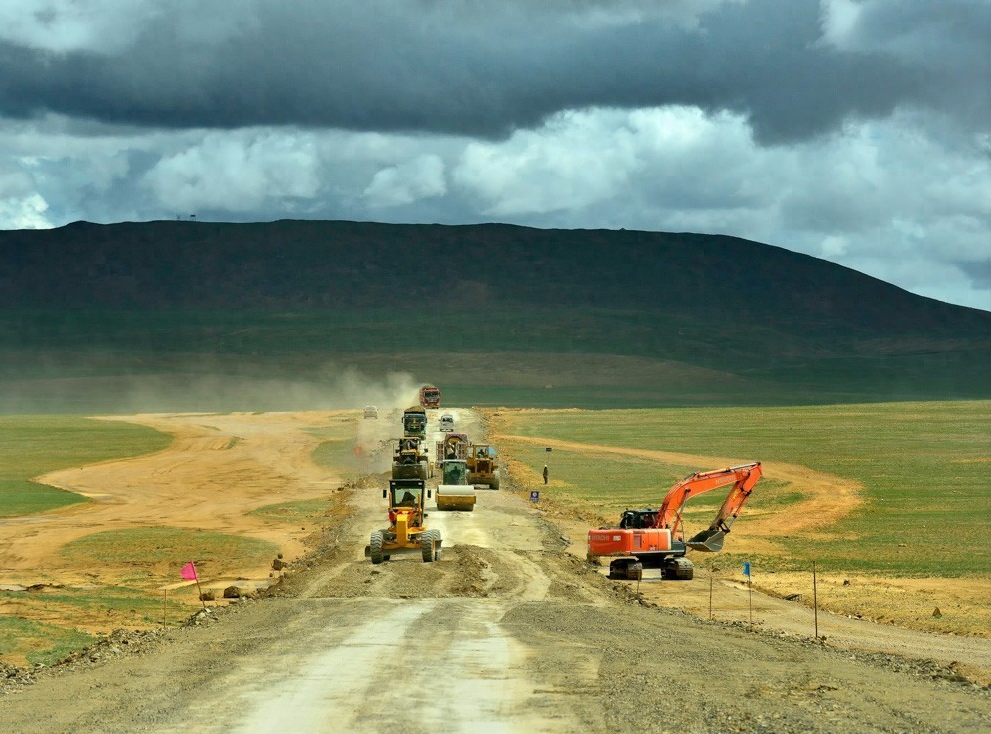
(655, 538)
(429, 396)
(454, 491)
(407, 532)
(409, 460)
(482, 467)
(415, 422)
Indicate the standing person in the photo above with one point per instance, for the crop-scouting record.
(545, 473)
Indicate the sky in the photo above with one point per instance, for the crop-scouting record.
(858, 131)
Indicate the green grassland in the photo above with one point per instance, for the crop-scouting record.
(34, 445)
(39, 642)
(143, 547)
(923, 468)
(295, 513)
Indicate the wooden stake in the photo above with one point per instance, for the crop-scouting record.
(815, 599)
(199, 591)
(750, 591)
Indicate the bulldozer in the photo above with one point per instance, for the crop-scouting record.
(407, 532)
(655, 538)
(482, 467)
(409, 460)
(454, 491)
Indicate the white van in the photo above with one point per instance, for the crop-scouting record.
(447, 423)
(371, 411)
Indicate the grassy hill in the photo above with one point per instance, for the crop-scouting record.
(190, 315)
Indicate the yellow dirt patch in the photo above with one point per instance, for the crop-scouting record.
(826, 498)
(216, 471)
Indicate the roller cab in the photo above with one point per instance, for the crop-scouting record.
(454, 493)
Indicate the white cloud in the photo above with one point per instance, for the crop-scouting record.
(420, 178)
(25, 212)
(839, 21)
(576, 159)
(237, 172)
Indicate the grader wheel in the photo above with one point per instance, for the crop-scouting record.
(428, 547)
(375, 547)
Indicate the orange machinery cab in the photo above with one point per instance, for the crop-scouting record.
(637, 544)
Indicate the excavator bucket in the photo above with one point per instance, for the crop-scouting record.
(711, 539)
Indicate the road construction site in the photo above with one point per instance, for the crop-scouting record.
(506, 631)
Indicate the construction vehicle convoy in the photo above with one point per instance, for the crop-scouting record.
(407, 531)
(482, 468)
(415, 422)
(409, 460)
(429, 396)
(655, 538)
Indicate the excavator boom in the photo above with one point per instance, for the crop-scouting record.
(711, 539)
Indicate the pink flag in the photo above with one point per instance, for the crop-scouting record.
(189, 572)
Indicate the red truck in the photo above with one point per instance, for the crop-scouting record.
(429, 396)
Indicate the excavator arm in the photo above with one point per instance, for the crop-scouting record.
(743, 478)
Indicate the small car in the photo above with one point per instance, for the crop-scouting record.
(371, 411)
(447, 423)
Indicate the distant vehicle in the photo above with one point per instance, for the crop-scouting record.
(447, 423)
(371, 411)
(429, 396)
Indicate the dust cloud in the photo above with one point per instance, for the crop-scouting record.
(202, 386)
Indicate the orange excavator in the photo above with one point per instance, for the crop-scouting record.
(655, 538)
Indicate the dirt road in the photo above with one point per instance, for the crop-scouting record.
(505, 633)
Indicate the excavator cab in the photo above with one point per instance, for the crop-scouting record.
(638, 518)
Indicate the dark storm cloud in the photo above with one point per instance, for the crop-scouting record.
(453, 68)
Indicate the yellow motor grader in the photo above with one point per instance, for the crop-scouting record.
(407, 531)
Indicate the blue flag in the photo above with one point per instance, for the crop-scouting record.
(746, 569)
